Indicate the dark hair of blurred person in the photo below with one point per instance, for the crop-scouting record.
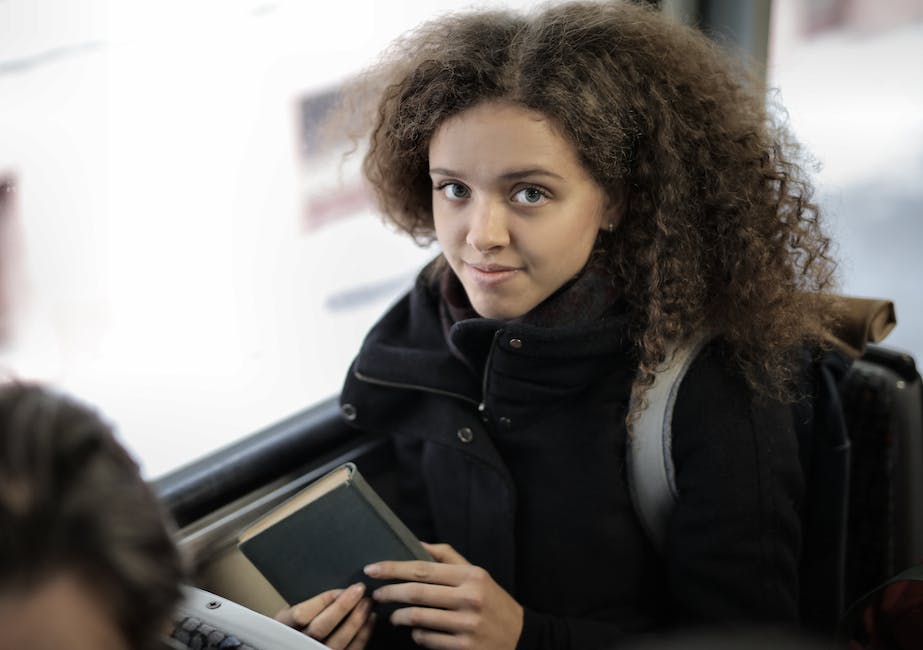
(86, 555)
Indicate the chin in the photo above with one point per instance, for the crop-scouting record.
(499, 313)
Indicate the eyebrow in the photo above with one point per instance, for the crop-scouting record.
(508, 176)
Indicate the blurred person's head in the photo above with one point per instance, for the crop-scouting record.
(86, 555)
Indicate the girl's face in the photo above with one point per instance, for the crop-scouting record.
(516, 213)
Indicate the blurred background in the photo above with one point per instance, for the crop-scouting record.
(180, 247)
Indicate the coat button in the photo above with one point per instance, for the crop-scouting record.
(516, 344)
(348, 411)
(465, 434)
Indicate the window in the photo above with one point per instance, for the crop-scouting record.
(10, 264)
(848, 73)
(173, 276)
(189, 268)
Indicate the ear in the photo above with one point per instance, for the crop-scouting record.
(613, 211)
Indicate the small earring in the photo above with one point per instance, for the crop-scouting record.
(611, 227)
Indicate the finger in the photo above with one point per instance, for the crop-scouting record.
(441, 620)
(418, 593)
(445, 553)
(348, 629)
(417, 571)
(301, 614)
(324, 623)
(365, 633)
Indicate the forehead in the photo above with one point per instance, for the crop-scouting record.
(62, 612)
(493, 136)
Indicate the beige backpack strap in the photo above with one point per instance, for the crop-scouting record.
(651, 476)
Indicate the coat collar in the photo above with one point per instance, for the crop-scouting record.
(412, 346)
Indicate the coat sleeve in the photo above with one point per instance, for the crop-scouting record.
(734, 537)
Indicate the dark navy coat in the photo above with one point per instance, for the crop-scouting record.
(511, 443)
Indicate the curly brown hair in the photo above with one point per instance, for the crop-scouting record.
(719, 229)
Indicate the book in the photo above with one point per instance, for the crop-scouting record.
(323, 536)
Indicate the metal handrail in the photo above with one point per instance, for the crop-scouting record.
(204, 485)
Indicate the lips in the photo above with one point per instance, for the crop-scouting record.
(489, 274)
(491, 268)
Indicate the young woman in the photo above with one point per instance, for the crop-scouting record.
(603, 184)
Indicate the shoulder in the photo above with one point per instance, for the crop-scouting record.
(713, 389)
(740, 488)
(718, 416)
(414, 314)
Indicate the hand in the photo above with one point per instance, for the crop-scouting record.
(322, 618)
(457, 605)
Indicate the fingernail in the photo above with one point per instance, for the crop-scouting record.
(363, 606)
(372, 570)
(357, 589)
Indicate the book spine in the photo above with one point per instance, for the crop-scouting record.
(382, 510)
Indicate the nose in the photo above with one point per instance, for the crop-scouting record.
(487, 230)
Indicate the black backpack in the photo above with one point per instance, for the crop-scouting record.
(861, 444)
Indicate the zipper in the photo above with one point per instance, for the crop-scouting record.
(482, 406)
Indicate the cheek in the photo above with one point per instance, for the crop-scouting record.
(442, 236)
(567, 250)
(572, 244)
(448, 231)
(589, 229)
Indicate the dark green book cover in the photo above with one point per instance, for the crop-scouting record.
(323, 536)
